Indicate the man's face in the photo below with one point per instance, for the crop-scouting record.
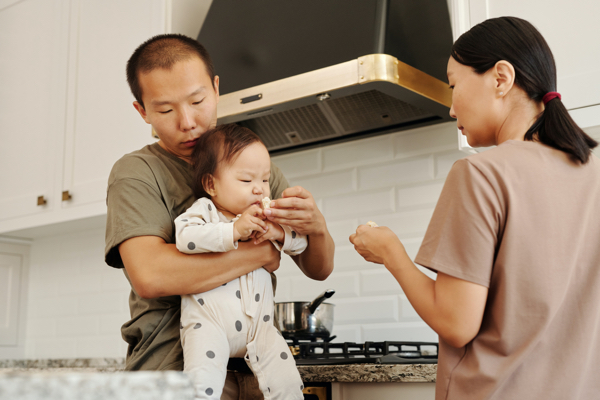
(180, 104)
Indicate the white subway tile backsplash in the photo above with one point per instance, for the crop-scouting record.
(346, 333)
(328, 184)
(101, 303)
(41, 327)
(395, 173)
(345, 285)
(102, 346)
(52, 307)
(51, 347)
(402, 331)
(114, 281)
(378, 281)
(404, 224)
(364, 151)
(366, 310)
(407, 312)
(302, 163)
(427, 194)
(425, 140)
(444, 162)
(347, 259)
(357, 204)
(77, 326)
(340, 231)
(79, 285)
(111, 323)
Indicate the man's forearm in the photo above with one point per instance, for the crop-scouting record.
(158, 269)
(317, 260)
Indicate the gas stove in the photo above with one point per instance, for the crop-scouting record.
(321, 352)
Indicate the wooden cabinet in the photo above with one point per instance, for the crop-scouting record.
(66, 112)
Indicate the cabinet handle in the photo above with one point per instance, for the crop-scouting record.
(66, 196)
(41, 201)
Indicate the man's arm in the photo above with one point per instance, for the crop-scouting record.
(298, 210)
(158, 269)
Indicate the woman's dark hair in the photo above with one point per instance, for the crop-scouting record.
(518, 42)
(221, 144)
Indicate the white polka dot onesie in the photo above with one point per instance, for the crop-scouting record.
(235, 319)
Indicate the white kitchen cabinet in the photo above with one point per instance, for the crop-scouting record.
(66, 112)
(32, 78)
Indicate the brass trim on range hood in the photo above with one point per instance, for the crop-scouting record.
(367, 69)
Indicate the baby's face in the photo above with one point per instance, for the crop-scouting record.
(244, 182)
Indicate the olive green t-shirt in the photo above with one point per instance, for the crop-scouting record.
(147, 190)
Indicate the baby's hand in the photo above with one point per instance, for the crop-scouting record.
(250, 221)
(274, 232)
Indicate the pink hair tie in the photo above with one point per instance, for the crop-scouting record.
(549, 96)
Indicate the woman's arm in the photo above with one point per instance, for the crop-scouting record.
(158, 269)
(452, 307)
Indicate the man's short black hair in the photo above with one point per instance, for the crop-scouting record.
(163, 51)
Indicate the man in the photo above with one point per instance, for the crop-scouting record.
(176, 91)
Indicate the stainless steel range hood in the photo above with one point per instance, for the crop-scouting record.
(305, 73)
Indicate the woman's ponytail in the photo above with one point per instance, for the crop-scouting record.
(518, 42)
(556, 128)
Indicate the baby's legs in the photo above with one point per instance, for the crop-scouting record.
(268, 355)
(214, 328)
(270, 359)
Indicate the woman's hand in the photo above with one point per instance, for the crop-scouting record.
(250, 221)
(374, 244)
(298, 210)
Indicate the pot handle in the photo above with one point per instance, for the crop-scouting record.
(317, 302)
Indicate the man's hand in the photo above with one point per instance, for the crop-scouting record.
(274, 232)
(250, 221)
(298, 210)
(374, 244)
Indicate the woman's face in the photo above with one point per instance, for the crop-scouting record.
(473, 104)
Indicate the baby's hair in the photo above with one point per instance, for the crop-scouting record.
(221, 144)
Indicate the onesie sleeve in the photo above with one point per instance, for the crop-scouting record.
(198, 230)
(462, 237)
(294, 242)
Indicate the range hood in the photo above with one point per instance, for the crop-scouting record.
(305, 73)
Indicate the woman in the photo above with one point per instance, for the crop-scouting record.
(515, 234)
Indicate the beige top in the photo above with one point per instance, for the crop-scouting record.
(523, 220)
(147, 190)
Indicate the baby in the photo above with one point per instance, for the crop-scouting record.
(232, 169)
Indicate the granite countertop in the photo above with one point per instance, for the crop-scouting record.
(309, 373)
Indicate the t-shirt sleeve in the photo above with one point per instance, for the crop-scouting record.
(135, 208)
(463, 233)
(278, 183)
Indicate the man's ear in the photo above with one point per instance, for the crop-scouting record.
(208, 184)
(141, 110)
(216, 85)
(504, 75)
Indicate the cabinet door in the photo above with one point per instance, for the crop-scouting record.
(32, 104)
(102, 124)
(10, 293)
(571, 30)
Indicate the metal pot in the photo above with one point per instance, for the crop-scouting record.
(306, 320)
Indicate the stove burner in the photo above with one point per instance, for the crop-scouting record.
(321, 352)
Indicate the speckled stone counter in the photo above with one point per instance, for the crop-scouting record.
(309, 373)
(28, 385)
